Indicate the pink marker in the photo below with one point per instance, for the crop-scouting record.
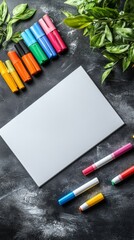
(52, 33)
(107, 159)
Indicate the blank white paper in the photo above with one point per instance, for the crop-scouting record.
(60, 126)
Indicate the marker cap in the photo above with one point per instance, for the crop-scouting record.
(10, 66)
(122, 150)
(8, 77)
(3, 68)
(28, 37)
(37, 30)
(47, 24)
(88, 170)
(21, 48)
(16, 61)
(14, 74)
(66, 198)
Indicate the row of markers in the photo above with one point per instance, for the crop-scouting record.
(40, 43)
(99, 197)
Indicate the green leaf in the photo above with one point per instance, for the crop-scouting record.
(26, 15)
(77, 21)
(74, 2)
(111, 3)
(109, 65)
(8, 18)
(110, 56)
(129, 6)
(16, 37)
(108, 33)
(86, 32)
(118, 48)
(131, 53)
(105, 74)
(9, 31)
(67, 14)
(127, 33)
(99, 12)
(129, 17)
(125, 63)
(97, 40)
(19, 9)
(4, 10)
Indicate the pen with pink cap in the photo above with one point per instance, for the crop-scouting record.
(52, 33)
(107, 159)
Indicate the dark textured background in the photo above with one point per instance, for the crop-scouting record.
(27, 212)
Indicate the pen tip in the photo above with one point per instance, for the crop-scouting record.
(80, 209)
(112, 183)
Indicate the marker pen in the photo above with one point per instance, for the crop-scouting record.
(127, 173)
(34, 47)
(107, 159)
(43, 40)
(14, 74)
(17, 63)
(78, 191)
(52, 33)
(7, 77)
(27, 58)
(91, 202)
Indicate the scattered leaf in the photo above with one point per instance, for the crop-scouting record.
(105, 74)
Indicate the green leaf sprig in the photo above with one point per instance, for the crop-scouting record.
(108, 28)
(19, 13)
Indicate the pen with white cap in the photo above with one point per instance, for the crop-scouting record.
(78, 191)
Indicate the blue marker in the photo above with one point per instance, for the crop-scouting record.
(78, 191)
(43, 40)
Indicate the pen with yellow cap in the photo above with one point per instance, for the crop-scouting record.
(8, 78)
(91, 202)
(14, 74)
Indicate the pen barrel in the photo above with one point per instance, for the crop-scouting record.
(34, 62)
(38, 53)
(57, 41)
(45, 47)
(22, 71)
(17, 80)
(103, 161)
(60, 40)
(127, 173)
(29, 65)
(66, 198)
(10, 82)
(17, 63)
(86, 186)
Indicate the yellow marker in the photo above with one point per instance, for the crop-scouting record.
(91, 202)
(14, 74)
(7, 77)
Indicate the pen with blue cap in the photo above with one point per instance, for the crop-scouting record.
(34, 47)
(78, 191)
(43, 40)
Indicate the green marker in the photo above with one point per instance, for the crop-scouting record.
(34, 47)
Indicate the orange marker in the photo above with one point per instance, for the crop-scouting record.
(19, 66)
(27, 57)
(8, 78)
(14, 74)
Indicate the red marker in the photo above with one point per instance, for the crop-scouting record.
(127, 173)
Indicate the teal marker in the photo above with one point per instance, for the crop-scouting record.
(34, 47)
